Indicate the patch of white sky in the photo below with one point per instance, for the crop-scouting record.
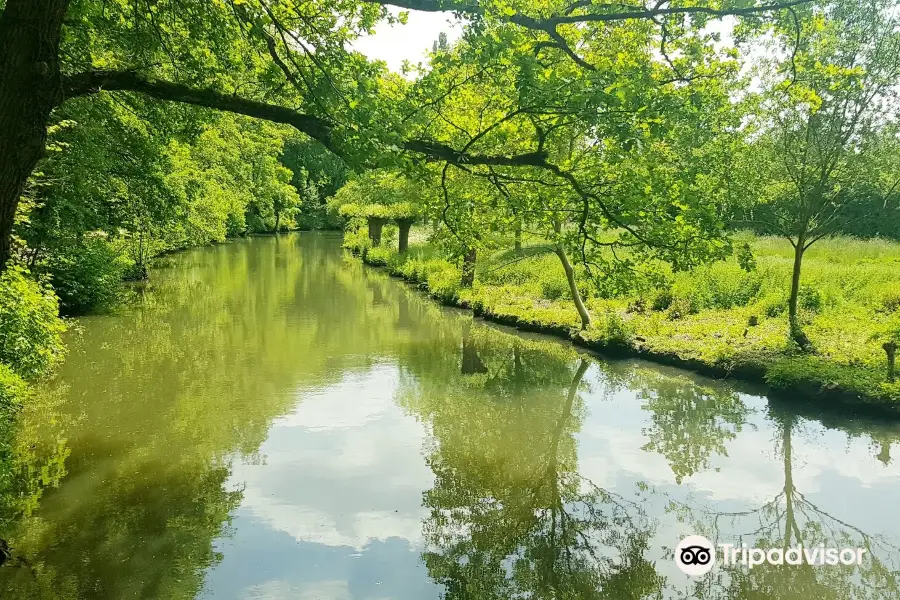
(411, 42)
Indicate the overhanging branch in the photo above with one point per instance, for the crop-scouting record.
(92, 82)
(438, 151)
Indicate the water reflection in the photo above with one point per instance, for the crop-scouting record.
(276, 421)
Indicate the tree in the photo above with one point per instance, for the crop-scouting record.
(377, 197)
(631, 155)
(823, 128)
(287, 59)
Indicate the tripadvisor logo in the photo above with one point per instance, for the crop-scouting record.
(695, 555)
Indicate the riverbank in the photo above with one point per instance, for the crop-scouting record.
(745, 340)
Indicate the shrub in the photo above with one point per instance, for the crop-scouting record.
(890, 300)
(721, 285)
(13, 392)
(555, 288)
(357, 240)
(378, 256)
(662, 300)
(610, 329)
(315, 215)
(443, 282)
(87, 277)
(810, 299)
(681, 307)
(30, 327)
(773, 305)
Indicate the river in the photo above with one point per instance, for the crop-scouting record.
(274, 420)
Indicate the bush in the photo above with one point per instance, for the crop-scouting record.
(356, 239)
(87, 277)
(773, 305)
(610, 329)
(721, 285)
(315, 215)
(890, 300)
(443, 283)
(662, 300)
(810, 299)
(13, 392)
(555, 288)
(379, 256)
(30, 327)
(441, 277)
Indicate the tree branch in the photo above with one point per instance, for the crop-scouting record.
(473, 8)
(92, 82)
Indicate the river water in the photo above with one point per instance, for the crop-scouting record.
(274, 420)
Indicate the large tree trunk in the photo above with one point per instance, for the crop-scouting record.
(277, 220)
(468, 268)
(29, 89)
(403, 226)
(796, 330)
(573, 287)
(518, 242)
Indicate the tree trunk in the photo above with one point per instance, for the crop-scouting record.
(796, 330)
(518, 246)
(403, 226)
(375, 227)
(277, 220)
(468, 268)
(573, 288)
(29, 89)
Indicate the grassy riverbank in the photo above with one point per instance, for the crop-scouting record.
(721, 319)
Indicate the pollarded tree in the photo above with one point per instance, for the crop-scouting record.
(823, 129)
(379, 197)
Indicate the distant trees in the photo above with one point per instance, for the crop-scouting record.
(122, 182)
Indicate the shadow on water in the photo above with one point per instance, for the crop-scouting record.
(274, 420)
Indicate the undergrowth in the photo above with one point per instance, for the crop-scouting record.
(731, 314)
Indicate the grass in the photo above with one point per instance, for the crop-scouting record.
(724, 316)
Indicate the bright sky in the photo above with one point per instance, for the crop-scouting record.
(394, 44)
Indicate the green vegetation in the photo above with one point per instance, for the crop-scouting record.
(726, 316)
(588, 169)
(625, 144)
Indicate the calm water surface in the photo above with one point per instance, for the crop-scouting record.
(275, 421)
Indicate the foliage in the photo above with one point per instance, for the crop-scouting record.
(87, 276)
(380, 194)
(12, 390)
(30, 328)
